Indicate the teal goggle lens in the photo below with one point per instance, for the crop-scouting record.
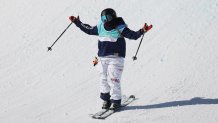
(106, 18)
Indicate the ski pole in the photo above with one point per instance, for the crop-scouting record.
(134, 57)
(50, 48)
(148, 28)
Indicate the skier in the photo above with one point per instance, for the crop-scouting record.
(111, 31)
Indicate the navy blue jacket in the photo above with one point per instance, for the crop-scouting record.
(106, 48)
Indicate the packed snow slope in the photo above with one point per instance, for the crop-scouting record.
(175, 78)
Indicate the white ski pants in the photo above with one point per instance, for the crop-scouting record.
(110, 70)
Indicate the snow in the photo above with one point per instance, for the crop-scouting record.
(174, 79)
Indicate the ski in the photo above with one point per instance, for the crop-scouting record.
(104, 113)
(99, 113)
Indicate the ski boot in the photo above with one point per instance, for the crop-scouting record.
(106, 105)
(115, 106)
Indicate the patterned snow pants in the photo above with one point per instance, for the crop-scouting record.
(110, 70)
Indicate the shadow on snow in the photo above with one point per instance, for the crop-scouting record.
(193, 101)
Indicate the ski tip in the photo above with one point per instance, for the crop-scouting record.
(132, 96)
(100, 118)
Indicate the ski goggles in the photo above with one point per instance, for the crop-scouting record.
(106, 18)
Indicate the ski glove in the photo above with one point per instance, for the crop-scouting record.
(73, 18)
(146, 28)
(95, 61)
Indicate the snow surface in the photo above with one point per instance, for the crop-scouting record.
(175, 78)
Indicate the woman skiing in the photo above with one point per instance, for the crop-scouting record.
(111, 52)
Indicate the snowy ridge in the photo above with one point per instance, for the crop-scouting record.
(174, 79)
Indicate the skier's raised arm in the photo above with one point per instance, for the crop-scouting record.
(84, 27)
(128, 33)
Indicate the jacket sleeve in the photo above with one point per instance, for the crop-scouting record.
(87, 28)
(127, 33)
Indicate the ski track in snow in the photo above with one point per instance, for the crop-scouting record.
(174, 79)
